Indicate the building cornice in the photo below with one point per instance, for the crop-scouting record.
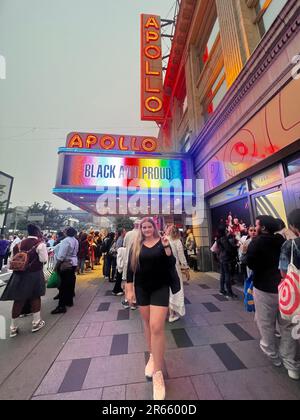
(183, 25)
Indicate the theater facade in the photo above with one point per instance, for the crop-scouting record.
(232, 90)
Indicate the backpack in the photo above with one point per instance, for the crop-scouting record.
(289, 291)
(105, 245)
(113, 250)
(20, 261)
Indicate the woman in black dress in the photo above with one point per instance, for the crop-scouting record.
(148, 283)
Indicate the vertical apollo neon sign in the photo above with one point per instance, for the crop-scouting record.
(151, 69)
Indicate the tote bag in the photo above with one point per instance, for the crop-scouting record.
(248, 295)
(54, 281)
(289, 291)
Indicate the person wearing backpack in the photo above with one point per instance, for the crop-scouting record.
(227, 254)
(27, 282)
(292, 245)
(263, 257)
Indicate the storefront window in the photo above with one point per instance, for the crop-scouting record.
(294, 166)
(266, 178)
(236, 213)
(271, 205)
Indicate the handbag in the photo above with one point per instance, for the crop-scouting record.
(289, 291)
(175, 285)
(53, 281)
(186, 275)
(65, 265)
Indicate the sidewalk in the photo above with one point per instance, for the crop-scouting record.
(97, 351)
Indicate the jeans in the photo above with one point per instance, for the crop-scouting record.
(226, 277)
(110, 267)
(266, 316)
(1, 261)
(81, 262)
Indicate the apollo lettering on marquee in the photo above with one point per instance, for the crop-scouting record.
(151, 69)
(118, 142)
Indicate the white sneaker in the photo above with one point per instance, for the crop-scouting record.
(277, 363)
(14, 332)
(38, 325)
(294, 375)
(174, 318)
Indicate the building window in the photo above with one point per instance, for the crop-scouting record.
(267, 12)
(186, 142)
(184, 105)
(215, 94)
(293, 166)
(210, 43)
(268, 177)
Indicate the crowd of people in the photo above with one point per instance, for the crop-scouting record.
(149, 268)
(148, 265)
(266, 251)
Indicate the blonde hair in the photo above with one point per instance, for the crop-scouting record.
(174, 232)
(138, 243)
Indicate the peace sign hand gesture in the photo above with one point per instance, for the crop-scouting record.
(165, 241)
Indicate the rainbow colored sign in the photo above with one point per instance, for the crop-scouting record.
(91, 171)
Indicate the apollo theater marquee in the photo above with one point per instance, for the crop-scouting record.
(90, 164)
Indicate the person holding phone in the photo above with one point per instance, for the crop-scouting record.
(148, 283)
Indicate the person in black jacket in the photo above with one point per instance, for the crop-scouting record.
(263, 258)
(227, 255)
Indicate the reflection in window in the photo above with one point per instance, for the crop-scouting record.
(268, 10)
(230, 193)
(266, 178)
(210, 43)
(271, 205)
(215, 94)
(294, 166)
(184, 105)
(186, 143)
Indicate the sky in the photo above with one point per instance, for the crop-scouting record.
(71, 65)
